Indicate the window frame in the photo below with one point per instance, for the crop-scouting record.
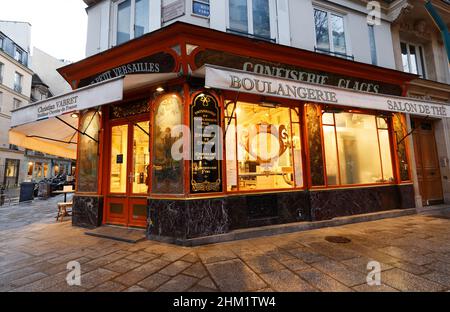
(421, 64)
(293, 109)
(250, 32)
(389, 129)
(1, 72)
(18, 83)
(344, 16)
(132, 29)
(16, 103)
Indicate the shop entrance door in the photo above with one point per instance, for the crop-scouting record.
(129, 158)
(427, 162)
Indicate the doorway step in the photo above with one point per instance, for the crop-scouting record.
(122, 234)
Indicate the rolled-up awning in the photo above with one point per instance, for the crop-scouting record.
(242, 81)
(48, 127)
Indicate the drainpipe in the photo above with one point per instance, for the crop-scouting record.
(441, 25)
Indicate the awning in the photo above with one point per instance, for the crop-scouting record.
(242, 81)
(47, 126)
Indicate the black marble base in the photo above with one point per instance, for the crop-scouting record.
(329, 204)
(87, 211)
(185, 219)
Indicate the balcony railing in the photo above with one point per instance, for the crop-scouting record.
(245, 34)
(342, 55)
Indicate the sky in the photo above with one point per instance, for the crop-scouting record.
(58, 26)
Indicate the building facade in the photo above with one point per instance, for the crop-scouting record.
(192, 122)
(15, 90)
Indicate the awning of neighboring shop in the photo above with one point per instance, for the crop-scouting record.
(268, 86)
(49, 126)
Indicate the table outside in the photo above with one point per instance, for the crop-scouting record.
(65, 194)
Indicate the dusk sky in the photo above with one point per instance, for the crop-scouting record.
(58, 26)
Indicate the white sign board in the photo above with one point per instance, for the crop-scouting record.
(235, 80)
(87, 97)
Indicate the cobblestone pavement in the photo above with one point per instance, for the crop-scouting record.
(414, 253)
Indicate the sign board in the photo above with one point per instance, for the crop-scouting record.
(286, 71)
(91, 96)
(201, 8)
(162, 62)
(241, 81)
(173, 9)
(206, 144)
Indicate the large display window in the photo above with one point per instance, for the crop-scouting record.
(263, 147)
(357, 148)
(167, 177)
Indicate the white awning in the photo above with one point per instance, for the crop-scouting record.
(47, 126)
(241, 81)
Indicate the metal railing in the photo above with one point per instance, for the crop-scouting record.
(338, 54)
(246, 34)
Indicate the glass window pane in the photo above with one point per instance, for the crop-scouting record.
(327, 119)
(359, 157)
(141, 157)
(264, 155)
(382, 123)
(405, 57)
(230, 141)
(261, 18)
(422, 63)
(88, 154)
(297, 144)
(142, 18)
(123, 21)
(238, 15)
(322, 34)
(119, 144)
(329, 139)
(385, 150)
(167, 171)
(337, 24)
(413, 59)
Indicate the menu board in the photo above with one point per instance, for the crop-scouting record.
(206, 145)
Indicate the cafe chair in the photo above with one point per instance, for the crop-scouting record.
(64, 209)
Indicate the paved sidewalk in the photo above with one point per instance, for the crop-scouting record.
(414, 253)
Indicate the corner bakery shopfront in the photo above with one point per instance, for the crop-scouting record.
(195, 132)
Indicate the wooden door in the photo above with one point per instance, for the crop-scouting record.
(129, 157)
(427, 162)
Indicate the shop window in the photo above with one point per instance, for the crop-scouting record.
(38, 169)
(141, 157)
(11, 172)
(88, 153)
(357, 149)
(330, 32)
(132, 19)
(45, 170)
(263, 148)
(167, 175)
(30, 169)
(251, 17)
(119, 156)
(413, 59)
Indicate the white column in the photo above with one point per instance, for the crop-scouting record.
(218, 14)
(155, 15)
(412, 165)
(284, 30)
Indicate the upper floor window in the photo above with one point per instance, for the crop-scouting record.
(18, 54)
(18, 82)
(132, 19)
(1, 101)
(373, 45)
(17, 104)
(330, 32)
(413, 59)
(1, 42)
(251, 17)
(1, 72)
